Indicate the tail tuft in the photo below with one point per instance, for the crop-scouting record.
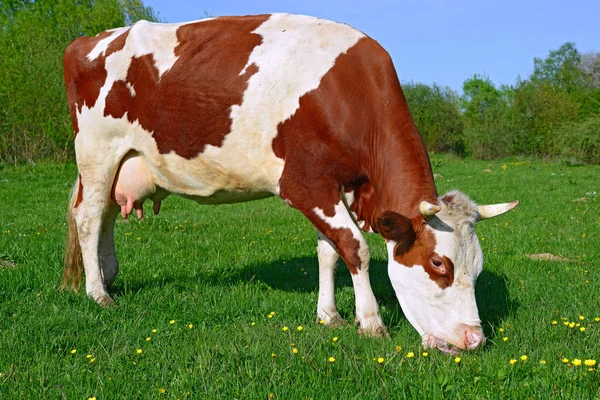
(73, 260)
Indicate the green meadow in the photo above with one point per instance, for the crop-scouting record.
(220, 301)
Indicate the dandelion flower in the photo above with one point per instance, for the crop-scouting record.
(271, 395)
(321, 322)
(590, 363)
(91, 398)
(581, 317)
(295, 350)
(139, 351)
(566, 323)
(148, 339)
(285, 328)
(253, 323)
(554, 322)
(299, 328)
(273, 355)
(511, 362)
(335, 339)
(398, 348)
(410, 354)
(582, 329)
(270, 316)
(73, 351)
(331, 359)
(154, 331)
(501, 330)
(92, 360)
(572, 325)
(172, 321)
(542, 362)
(162, 390)
(505, 338)
(565, 360)
(457, 360)
(190, 326)
(88, 356)
(380, 360)
(524, 357)
(576, 362)
(425, 354)
(597, 319)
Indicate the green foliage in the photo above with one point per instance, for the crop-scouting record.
(579, 142)
(223, 268)
(34, 118)
(436, 112)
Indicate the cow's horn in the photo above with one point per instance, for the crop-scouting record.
(493, 210)
(427, 209)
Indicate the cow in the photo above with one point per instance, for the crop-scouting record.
(233, 109)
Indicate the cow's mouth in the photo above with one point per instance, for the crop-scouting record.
(430, 341)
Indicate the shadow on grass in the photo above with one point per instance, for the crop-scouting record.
(302, 275)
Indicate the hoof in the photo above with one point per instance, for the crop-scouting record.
(105, 301)
(335, 321)
(374, 332)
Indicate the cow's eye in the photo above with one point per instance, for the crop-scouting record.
(438, 265)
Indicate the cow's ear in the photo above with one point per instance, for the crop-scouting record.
(397, 227)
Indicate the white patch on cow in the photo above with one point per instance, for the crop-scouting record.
(131, 89)
(102, 45)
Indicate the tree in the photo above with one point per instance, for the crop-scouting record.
(561, 68)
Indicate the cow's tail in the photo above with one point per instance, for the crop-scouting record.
(73, 260)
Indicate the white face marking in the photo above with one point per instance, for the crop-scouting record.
(296, 52)
(429, 308)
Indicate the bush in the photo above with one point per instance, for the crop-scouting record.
(579, 142)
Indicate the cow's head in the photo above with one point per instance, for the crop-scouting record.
(434, 261)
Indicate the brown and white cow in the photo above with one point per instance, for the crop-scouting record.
(238, 108)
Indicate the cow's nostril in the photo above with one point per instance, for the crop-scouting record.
(473, 339)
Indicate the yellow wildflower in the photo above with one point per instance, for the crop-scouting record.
(542, 362)
(285, 328)
(299, 328)
(92, 398)
(590, 363)
(597, 319)
(581, 317)
(154, 331)
(253, 323)
(425, 354)
(88, 356)
(457, 360)
(321, 322)
(554, 322)
(398, 348)
(73, 351)
(501, 330)
(331, 359)
(190, 326)
(566, 323)
(572, 325)
(139, 351)
(172, 321)
(162, 390)
(295, 350)
(380, 360)
(565, 360)
(92, 360)
(505, 339)
(524, 357)
(273, 355)
(410, 354)
(335, 339)
(576, 362)
(511, 362)
(271, 395)
(148, 339)
(582, 329)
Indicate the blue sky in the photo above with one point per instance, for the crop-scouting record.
(440, 41)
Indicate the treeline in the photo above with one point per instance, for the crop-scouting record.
(34, 118)
(553, 113)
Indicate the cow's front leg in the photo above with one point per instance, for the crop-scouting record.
(326, 307)
(333, 221)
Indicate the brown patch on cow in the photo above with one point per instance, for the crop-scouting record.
(79, 193)
(189, 106)
(84, 78)
(396, 227)
(423, 253)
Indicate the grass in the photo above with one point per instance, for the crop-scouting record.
(219, 272)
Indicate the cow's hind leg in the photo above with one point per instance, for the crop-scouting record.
(94, 216)
(330, 216)
(326, 306)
